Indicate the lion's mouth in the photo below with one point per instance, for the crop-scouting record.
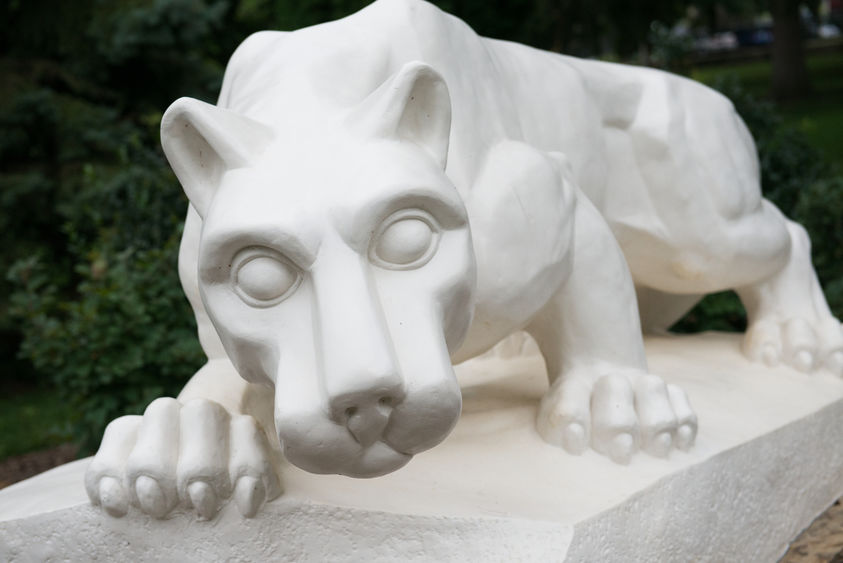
(366, 438)
(346, 457)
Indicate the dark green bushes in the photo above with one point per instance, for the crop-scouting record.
(90, 213)
(125, 338)
(820, 210)
(94, 291)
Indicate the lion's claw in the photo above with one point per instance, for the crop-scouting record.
(194, 455)
(617, 414)
(249, 494)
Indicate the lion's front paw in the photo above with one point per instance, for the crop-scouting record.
(617, 415)
(195, 455)
(804, 344)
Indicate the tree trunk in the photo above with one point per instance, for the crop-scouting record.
(790, 76)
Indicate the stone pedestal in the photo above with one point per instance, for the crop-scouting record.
(768, 459)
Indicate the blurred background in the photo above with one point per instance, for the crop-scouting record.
(93, 323)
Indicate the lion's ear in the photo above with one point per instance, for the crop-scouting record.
(412, 105)
(202, 141)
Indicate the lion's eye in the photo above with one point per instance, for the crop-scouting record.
(408, 240)
(263, 280)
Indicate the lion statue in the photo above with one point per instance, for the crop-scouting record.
(375, 199)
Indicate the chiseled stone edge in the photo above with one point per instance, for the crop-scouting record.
(286, 531)
(743, 504)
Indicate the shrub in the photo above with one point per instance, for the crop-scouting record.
(126, 339)
(113, 330)
(820, 210)
(90, 213)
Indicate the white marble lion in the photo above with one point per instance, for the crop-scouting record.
(377, 198)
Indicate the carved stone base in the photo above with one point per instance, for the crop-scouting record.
(768, 459)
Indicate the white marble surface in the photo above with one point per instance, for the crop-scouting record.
(769, 458)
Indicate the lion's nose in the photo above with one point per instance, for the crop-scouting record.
(366, 412)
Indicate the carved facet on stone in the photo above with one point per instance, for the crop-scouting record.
(768, 459)
(378, 198)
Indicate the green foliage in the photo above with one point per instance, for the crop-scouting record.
(287, 15)
(100, 310)
(669, 50)
(820, 210)
(178, 45)
(126, 338)
(90, 213)
(719, 311)
(32, 419)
